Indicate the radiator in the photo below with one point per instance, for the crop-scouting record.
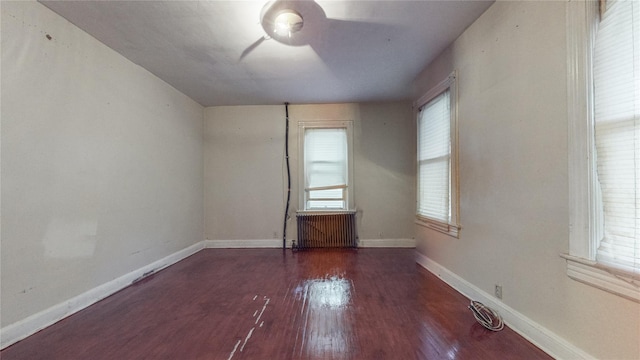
(327, 230)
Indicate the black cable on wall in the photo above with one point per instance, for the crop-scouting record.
(286, 154)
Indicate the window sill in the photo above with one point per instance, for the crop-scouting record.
(445, 228)
(325, 212)
(603, 277)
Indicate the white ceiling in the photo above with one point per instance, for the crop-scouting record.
(347, 51)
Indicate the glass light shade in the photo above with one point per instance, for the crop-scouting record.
(287, 23)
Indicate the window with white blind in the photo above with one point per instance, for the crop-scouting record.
(604, 125)
(616, 81)
(437, 190)
(326, 165)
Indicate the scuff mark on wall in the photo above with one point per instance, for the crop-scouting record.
(146, 275)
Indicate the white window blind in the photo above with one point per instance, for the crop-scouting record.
(325, 166)
(617, 132)
(434, 158)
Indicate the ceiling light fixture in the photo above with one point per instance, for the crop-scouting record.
(287, 22)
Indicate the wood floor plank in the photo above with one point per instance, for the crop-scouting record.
(272, 304)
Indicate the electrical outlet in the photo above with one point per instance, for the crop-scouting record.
(498, 291)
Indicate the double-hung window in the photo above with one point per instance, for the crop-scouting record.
(437, 189)
(326, 175)
(617, 133)
(604, 145)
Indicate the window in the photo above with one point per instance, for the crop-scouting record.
(617, 133)
(437, 185)
(604, 145)
(326, 165)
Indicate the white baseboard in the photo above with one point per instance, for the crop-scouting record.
(387, 243)
(277, 243)
(244, 244)
(15, 332)
(540, 336)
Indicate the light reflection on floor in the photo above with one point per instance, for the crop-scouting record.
(453, 351)
(327, 329)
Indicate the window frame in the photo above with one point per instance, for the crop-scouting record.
(349, 189)
(451, 227)
(584, 223)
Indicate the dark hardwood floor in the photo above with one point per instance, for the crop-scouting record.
(270, 304)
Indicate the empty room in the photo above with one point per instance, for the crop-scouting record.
(455, 179)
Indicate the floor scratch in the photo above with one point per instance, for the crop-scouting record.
(234, 350)
(263, 308)
(247, 338)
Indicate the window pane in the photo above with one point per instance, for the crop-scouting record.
(434, 149)
(617, 132)
(434, 190)
(325, 167)
(326, 194)
(435, 128)
(325, 204)
(325, 157)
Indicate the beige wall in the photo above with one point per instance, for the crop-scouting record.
(245, 173)
(101, 163)
(512, 82)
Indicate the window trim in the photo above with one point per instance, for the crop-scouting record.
(583, 218)
(349, 189)
(451, 228)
